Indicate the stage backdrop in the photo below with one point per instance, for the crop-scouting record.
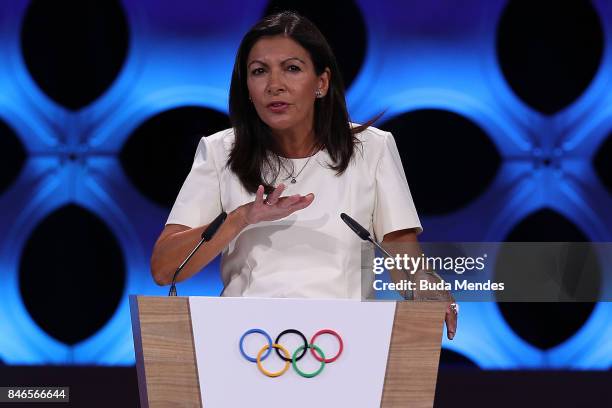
(501, 109)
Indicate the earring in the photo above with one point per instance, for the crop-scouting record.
(319, 93)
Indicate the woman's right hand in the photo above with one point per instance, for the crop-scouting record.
(274, 207)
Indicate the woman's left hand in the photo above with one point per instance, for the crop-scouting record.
(406, 240)
(452, 308)
(452, 312)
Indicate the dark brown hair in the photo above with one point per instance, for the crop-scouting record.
(250, 156)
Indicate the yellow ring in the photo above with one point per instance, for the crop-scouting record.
(278, 373)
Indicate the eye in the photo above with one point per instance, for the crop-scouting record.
(257, 71)
(294, 68)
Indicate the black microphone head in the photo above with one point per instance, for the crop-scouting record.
(356, 227)
(213, 227)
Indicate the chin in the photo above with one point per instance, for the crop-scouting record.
(282, 124)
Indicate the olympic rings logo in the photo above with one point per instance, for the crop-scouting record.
(291, 359)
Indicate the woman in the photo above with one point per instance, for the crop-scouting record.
(290, 164)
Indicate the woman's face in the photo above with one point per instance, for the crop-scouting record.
(282, 83)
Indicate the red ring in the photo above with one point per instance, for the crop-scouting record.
(327, 331)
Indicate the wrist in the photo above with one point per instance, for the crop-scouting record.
(239, 215)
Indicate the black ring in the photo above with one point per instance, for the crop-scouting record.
(293, 331)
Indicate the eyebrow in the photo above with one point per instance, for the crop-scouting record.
(282, 62)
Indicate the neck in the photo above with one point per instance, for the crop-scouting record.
(293, 144)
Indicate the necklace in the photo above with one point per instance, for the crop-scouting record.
(291, 176)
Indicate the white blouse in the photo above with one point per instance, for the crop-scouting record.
(310, 253)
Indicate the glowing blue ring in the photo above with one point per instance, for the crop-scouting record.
(268, 338)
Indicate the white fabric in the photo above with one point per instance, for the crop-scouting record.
(311, 253)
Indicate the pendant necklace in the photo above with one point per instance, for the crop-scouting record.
(291, 176)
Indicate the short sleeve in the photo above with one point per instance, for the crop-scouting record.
(394, 208)
(199, 200)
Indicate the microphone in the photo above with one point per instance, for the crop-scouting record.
(362, 232)
(207, 235)
(365, 235)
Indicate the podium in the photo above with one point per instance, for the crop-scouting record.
(167, 366)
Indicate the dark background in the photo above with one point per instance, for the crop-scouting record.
(500, 110)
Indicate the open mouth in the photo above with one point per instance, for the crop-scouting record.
(278, 106)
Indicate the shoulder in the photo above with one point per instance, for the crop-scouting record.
(372, 135)
(373, 141)
(218, 144)
(220, 139)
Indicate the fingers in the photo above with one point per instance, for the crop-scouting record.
(451, 323)
(290, 201)
(275, 195)
(304, 202)
(287, 202)
(280, 207)
(259, 195)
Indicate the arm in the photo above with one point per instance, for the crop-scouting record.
(409, 236)
(176, 241)
(390, 242)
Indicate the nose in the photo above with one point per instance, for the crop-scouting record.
(275, 84)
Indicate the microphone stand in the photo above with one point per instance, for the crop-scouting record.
(207, 235)
(365, 235)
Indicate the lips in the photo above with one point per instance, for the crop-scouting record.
(278, 106)
(277, 103)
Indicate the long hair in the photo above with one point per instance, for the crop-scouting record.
(254, 152)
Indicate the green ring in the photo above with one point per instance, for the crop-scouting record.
(300, 372)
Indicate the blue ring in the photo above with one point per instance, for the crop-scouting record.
(251, 359)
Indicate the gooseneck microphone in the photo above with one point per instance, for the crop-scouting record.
(207, 235)
(365, 235)
(362, 232)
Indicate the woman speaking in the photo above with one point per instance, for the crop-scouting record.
(290, 164)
